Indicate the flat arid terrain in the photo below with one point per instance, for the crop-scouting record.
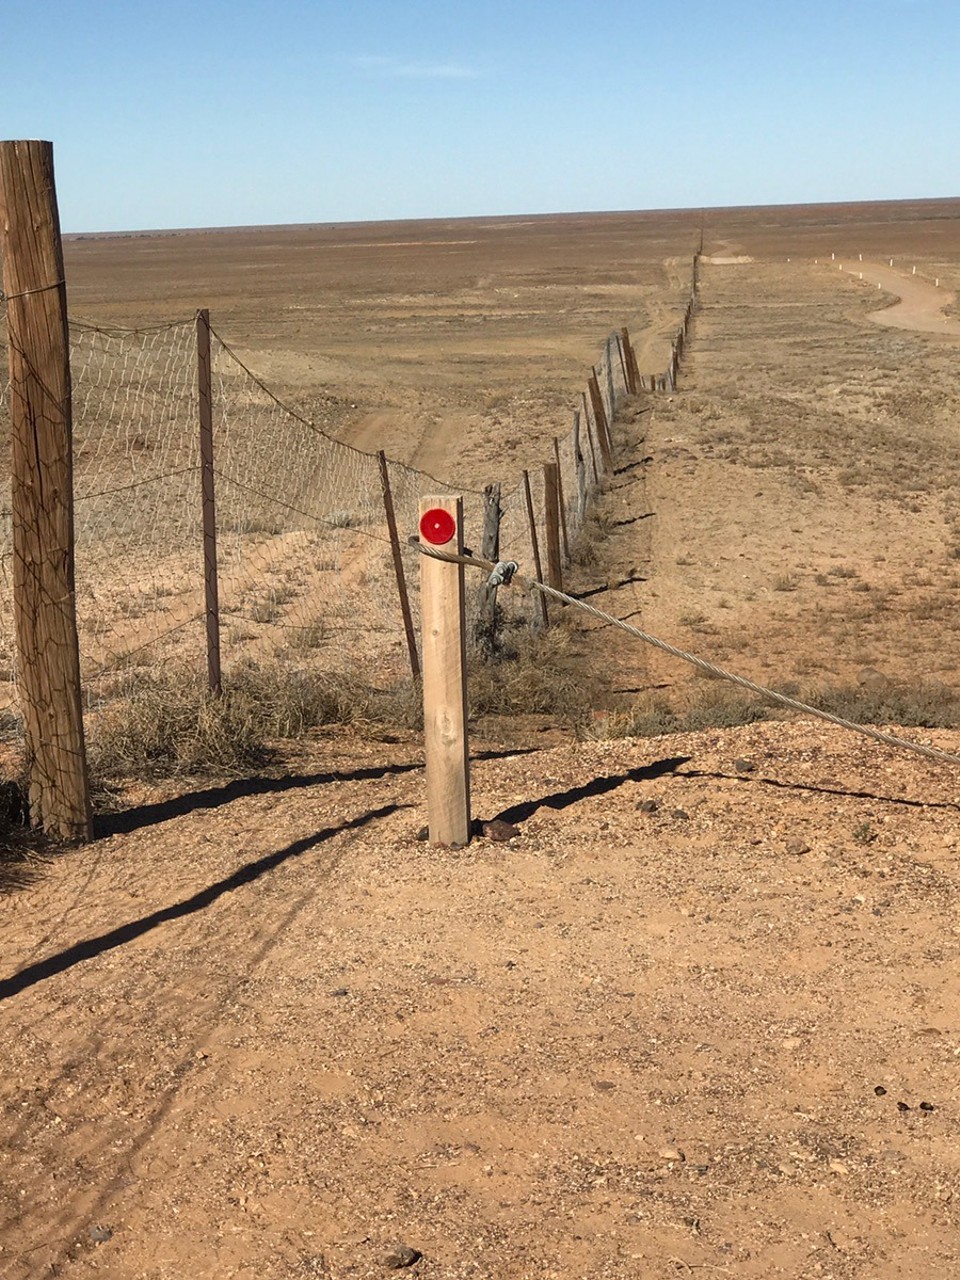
(697, 1015)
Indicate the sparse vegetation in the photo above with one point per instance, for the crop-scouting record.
(168, 723)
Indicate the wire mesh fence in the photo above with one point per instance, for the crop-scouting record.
(306, 571)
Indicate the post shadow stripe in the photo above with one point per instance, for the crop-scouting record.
(247, 874)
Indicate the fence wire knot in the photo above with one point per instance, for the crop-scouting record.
(502, 573)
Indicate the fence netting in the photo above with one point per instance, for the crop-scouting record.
(306, 570)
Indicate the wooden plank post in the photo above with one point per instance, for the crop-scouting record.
(611, 394)
(405, 611)
(485, 635)
(540, 619)
(211, 590)
(41, 459)
(444, 674)
(551, 522)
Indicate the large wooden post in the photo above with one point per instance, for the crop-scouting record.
(211, 586)
(444, 650)
(41, 459)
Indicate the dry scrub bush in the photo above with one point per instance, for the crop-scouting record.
(169, 723)
(929, 706)
(533, 675)
(696, 708)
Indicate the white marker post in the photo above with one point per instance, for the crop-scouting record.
(443, 643)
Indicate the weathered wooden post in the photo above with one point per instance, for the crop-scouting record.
(551, 521)
(41, 458)
(592, 447)
(444, 650)
(600, 418)
(540, 618)
(405, 612)
(485, 636)
(581, 471)
(611, 394)
(211, 588)
(564, 535)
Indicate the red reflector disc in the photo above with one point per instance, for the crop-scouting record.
(437, 526)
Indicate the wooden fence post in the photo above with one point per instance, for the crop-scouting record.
(405, 612)
(600, 418)
(444, 674)
(210, 578)
(562, 501)
(593, 451)
(485, 636)
(622, 355)
(581, 471)
(41, 458)
(611, 394)
(540, 619)
(551, 523)
(633, 372)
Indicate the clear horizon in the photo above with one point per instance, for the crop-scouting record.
(299, 113)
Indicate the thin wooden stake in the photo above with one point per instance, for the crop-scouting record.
(41, 460)
(633, 370)
(581, 471)
(622, 362)
(551, 522)
(593, 452)
(405, 612)
(600, 418)
(485, 637)
(445, 684)
(562, 500)
(210, 578)
(540, 619)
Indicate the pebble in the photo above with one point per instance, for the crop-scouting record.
(648, 806)
(839, 1167)
(500, 830)
(744, 766)
(100, 1234)
(400, 1255)
(797, 848)
(680, 814)
(672, 1154)
(879, 1090)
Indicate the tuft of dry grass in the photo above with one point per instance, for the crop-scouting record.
(169, 724)
(533, 675)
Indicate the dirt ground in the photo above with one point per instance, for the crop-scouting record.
(699, 1016)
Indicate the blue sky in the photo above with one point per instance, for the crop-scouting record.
(206, 113)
